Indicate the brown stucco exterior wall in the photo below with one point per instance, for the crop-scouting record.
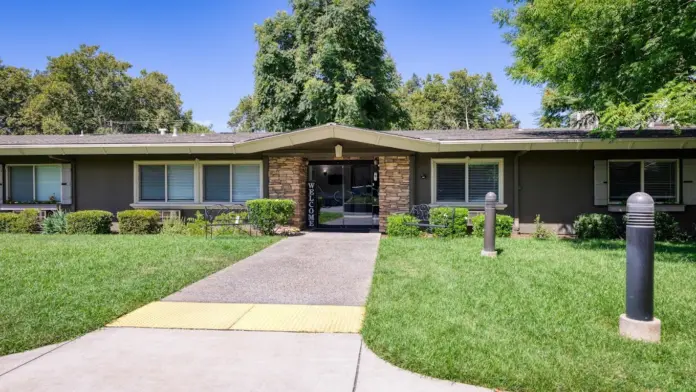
(559, 185)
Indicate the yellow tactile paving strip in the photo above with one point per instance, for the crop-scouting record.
(247, 317)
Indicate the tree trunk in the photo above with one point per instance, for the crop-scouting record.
(466, 117)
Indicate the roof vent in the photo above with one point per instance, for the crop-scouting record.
(162, 131)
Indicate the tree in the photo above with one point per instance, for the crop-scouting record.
(604, 53)
(89, 91)
(325, 62)
(16, 88)
(462, 101)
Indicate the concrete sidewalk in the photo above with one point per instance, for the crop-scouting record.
(312, 269)
(134, 359)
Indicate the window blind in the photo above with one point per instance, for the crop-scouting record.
(22, 183)
(216, 183)
(152, 182)
(451, 182)
(48, 182)
(624, 180)
(483, 178)
(246, 182)
(179, 182)
(660, 180)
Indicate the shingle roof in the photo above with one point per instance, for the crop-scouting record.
(432, 135)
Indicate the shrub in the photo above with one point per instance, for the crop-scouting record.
(540, 231)
(503, 225)
(396, 226)
(443, 216)
(174, 226)
(89, 222)
(25, 222)
(266, 214)
(55, 223)
(667, 228)
(236, 220)
(138, 222)
(7, 221)
(596, 226)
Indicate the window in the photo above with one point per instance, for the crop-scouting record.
(188, 182)
(466, 180)
(658, 178)
(34, 183)
(234, 182)
(166, 182)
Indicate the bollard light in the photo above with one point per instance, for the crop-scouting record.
(638, 322)
(489, 226)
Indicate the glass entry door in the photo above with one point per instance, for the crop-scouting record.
(346, 194)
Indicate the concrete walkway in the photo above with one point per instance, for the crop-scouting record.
(139, 359)
(277, 289)
(312, 269)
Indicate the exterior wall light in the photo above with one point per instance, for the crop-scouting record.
(339, 151)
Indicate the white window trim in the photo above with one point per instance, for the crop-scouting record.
(201, 187)
(642, 178)
(468, 161)
(197, 183)
(34, 165)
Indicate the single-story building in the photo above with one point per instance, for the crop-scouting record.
(354, 178)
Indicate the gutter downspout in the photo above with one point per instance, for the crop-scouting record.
(516, 191)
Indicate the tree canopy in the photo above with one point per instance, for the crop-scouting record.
(630, 61)
(464, 100)
(324, 62)
(89, 91)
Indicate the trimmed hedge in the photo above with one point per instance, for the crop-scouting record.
(7, 221)
(596, 226)
(25, 222)
(443, 216)
(667, 228)
(503, 225)
(138, 222)
(266, 214)
(396, 226)
(89, 222)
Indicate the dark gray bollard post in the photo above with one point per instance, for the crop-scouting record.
(489, 226)
(638, 322)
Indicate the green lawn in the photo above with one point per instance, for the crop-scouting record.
(55, 288)
(326, 216)
(542, 316)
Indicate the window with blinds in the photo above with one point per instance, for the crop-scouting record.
(658, 178)
(466, 181)
(166, 182)
(231, 182)
(35, 183)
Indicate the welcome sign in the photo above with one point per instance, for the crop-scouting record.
(312, 213)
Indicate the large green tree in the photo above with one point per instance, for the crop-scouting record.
(630, 61)
(324, 62)
(462, 101)
(89, 91)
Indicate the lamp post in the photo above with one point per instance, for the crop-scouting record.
(638, 322)
(489, 226)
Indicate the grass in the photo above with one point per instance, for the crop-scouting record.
(55, 287)
(542, 316)
(326, 216)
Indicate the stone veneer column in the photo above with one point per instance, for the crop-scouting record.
(394, 187)
(287, 179)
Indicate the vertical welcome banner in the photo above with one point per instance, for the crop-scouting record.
(312, 213)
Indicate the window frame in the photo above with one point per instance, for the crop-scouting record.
(201, 178)
(198, 179)
(467, 161)
(642, 178)
(8, 179)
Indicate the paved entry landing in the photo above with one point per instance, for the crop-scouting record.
(311, 269)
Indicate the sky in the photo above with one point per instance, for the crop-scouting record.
(207, 47)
